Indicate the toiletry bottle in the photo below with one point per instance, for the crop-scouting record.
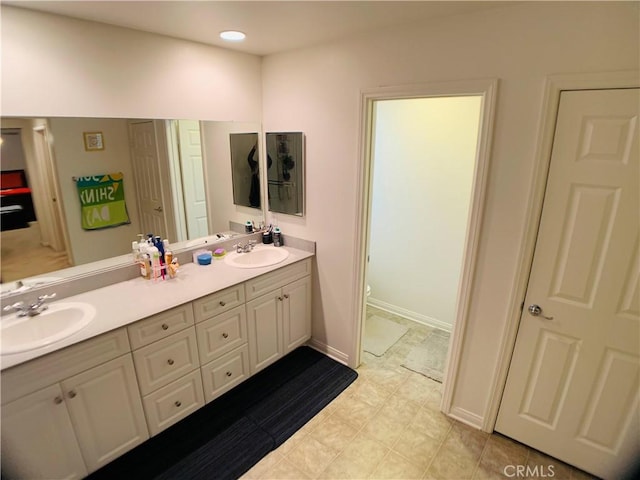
(155, 263)
(248, 227)
(135, 251)
(277, 237)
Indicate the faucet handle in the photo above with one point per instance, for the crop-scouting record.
(15, 306)
(42, 298)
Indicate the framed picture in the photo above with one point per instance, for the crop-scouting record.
(93, 141)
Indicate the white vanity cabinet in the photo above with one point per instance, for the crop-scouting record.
(38, 440)
(167, 365)
(71, 412)
(221, 327)
(278, 313)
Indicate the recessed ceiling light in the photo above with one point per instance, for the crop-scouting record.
(232, 36)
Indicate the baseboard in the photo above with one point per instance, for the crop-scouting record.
(466, 417)
(409, 315)
(331, 352)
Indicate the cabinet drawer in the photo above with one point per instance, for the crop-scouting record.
(221, 334)
(166, 360)
(225, 373)
(276, 279)
(160, 326)
(219, 302)
(41, 372)
(173, 402)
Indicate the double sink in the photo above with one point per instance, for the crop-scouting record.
(62, 319)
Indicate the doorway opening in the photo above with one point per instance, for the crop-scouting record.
(423, 153)
(400, 172)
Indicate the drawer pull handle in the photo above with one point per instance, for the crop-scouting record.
(222, 304)
(165, 326)
(286, 295)
(225, 335)
(170, 361)
(58, 400)
(178, 403)
(72, 394)
(280, 298)
(229, 374)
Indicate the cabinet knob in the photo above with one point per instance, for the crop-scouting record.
(165, 326)
(178, 403)
(225, 335)
(72, 394)
(170, 361)
(58, 400)
(286, 295)
(229, 374)
(280, 298)
(222, 304)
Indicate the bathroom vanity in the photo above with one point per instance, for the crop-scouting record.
(153, 354)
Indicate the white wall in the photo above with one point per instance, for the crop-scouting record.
(317, 91)
(72, 160)
(11, 152)
(423, 159)
(58, 66)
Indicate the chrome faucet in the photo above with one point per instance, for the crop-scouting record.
(245, 248)
(25, 309)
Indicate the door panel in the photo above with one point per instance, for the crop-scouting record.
(573, 383)
(144, 152)
(195, 201)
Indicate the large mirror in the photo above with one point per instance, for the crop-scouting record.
(175, 174)
(285, 172)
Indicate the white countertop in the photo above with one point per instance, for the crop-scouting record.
(126, 302)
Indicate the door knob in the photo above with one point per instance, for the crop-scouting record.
(536, 311)
(158, 209)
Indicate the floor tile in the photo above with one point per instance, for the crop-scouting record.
(311, 456)
(395, 467)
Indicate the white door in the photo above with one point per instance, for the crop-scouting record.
(573, 384)
(38, 439)
(149, 183)
(195, 200)
(106, 411)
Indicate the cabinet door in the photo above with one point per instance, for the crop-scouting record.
(106, 411)
(296, 313)
(38, 439)
(264, 322)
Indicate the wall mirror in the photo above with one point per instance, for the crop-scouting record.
(177, 183)
(285, 172)
(245, 169)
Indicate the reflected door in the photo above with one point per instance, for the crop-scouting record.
(573, 384)
(144, 152)
(195, 201)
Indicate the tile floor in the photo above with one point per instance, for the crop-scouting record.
(388, 425)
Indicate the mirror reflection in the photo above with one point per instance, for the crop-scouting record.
(286, 175)
(245, 169)
(175, 175)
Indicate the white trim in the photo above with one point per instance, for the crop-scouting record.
(409, 315)
(554, 85)
(466, 417)
(488, 89)
(331, 352)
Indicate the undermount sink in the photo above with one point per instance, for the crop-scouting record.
(260, 256)
(59, 321)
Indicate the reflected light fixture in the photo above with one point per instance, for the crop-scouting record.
(232, 36)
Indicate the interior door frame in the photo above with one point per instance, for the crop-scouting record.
(487, 89)
(554, 86)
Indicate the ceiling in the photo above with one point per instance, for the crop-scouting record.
(271, 27)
